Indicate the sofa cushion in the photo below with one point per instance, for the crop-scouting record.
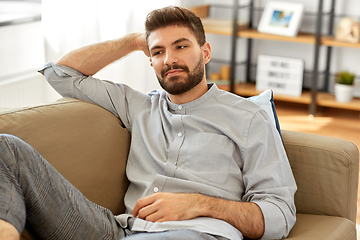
(265, 100)
(315, 227)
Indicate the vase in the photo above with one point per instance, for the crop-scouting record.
(343, 93)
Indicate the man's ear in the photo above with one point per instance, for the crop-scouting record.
(206, 50)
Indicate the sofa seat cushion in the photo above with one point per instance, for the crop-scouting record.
(315, 227)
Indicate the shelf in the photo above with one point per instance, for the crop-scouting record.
(251, 33)
(330, 41)
(323, 99)
(301, 38)
(328, 100)
(254, 34)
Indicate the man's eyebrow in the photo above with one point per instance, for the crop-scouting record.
(180, 40)
(156, 47)
(174, 43)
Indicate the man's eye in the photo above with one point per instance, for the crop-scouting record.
(157, 53)
(181, 47)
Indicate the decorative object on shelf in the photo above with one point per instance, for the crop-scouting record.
(217, 25)
(344, 86)
(281, 18)
(201, 11)
(214, 76)
(223, 25)
(348, 30)
(282, 75)
(225, 72)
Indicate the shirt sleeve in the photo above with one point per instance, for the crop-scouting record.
(268, 178)
(114, 97)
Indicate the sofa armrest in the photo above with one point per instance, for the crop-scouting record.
(84, 142)
(326, 170)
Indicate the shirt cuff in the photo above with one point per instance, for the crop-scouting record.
(276, 226)
(60, 70)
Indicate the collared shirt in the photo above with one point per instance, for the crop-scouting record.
(219, 145)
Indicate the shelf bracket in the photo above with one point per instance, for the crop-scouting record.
(313, 104)
(233, 46)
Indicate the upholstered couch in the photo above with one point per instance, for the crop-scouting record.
(89, 147)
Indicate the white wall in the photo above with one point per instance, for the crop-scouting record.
(21, 54)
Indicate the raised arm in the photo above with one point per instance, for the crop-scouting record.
(91, 59)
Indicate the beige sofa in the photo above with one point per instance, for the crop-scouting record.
(89, 147)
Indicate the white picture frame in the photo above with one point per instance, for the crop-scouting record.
(281, 18)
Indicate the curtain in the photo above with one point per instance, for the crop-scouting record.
(70, 24)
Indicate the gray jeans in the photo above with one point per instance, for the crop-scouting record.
(35, 194)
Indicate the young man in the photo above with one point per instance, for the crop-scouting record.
(203, 163)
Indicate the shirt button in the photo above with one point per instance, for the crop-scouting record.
(179, 134)
(180, 107)
(156, 189)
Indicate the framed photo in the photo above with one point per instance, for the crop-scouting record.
(281, 18)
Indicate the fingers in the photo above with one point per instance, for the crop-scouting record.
(151, 208)
(147, 209)
(162, 207)
(141, 43)
(141, 203)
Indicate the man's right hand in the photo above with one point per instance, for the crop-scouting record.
(140, 41)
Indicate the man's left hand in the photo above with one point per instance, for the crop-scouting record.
(162, 207)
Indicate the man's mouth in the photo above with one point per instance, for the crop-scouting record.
(173, 72)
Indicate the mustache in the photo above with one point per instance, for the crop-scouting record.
(175, 66)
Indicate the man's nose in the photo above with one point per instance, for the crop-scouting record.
(170, 58)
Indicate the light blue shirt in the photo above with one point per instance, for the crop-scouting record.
(219, 145)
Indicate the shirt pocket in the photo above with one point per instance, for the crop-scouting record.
(209, 156)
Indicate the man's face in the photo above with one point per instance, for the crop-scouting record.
(176, 58)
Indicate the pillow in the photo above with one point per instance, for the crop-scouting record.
(265, 100)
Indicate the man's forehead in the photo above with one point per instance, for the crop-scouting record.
(170, 35)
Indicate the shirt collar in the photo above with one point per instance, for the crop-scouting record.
(212, 90)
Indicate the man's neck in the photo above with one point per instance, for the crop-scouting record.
(190, 95)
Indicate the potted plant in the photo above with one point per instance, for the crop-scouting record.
(344, 86)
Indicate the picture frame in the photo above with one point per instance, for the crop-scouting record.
(281, 18)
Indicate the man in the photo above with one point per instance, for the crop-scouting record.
(203, 163)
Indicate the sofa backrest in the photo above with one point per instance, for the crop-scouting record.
(326, 170)
(84, 142)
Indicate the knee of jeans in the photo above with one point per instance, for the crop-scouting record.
(4, 137)
(9, 142)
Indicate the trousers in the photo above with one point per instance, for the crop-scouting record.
(34, 194)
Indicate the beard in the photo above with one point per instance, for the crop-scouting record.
(176, 85)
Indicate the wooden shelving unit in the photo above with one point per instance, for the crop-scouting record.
(313, 97)
(323, 99)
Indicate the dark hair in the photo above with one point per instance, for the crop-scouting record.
(173, 15)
